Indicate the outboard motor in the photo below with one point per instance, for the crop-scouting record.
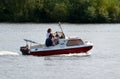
(24, 50)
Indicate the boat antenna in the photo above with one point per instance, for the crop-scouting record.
(30, 41)
(61, 28)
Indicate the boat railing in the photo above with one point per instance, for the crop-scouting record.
(38, 46)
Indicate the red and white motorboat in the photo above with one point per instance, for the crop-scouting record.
(65, 46)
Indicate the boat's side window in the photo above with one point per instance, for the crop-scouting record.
(73, 42)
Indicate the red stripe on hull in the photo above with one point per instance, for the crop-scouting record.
(62, 51)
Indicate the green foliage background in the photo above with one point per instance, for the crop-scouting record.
(73, 11)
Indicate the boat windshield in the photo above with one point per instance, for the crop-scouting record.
(60, 34)
(73, 42)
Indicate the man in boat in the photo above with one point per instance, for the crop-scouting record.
(49, 41)
(48, 32)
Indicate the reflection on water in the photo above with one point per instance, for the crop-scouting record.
(67, 56)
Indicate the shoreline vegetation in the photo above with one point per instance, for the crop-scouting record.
(65, 11)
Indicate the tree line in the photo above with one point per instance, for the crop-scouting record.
(72, 11)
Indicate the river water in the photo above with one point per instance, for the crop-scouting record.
(103, 63)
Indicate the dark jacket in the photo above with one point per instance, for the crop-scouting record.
(48, 42)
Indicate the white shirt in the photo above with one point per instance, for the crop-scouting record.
(47, 35)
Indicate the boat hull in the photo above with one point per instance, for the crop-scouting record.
(62, 51)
